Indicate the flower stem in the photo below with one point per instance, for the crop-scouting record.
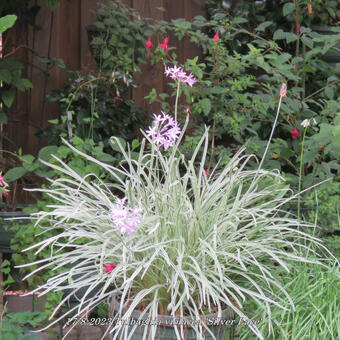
(300, 173)
(271, 134)
(176, 103)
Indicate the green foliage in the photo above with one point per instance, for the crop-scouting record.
(238, 84)
(10, 74)
(325, 12)
(52, 4)
(316, 295)
(93, 107)
(14, 174)
(6, 268)
(323, 208)
(14, 326)
(118, 40)
(7, 22)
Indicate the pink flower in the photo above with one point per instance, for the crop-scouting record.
(295, 133)
(148, 46)
(109, 267)
(127, 219)
(164, 131)
(177, 73)
(283, 90)
(1, 180)
(164, 44)
(216, 37)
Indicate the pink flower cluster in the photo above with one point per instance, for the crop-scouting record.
(127, 219)
(165, 130)
(177, 73)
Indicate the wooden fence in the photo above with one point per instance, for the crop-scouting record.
(63, 35)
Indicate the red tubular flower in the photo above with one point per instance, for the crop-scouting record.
(309, 7)
(148, 46)
(216, 37)
(164, 44)
(295, 133)
(109, 267)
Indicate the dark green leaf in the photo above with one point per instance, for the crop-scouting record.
(263, 26)
(206, 105)
(7, 22)
(3, 118)
(52, 4)
(46, 152)
(8, 97)
(59, 62)
(14, 174)
(6, 76)
(27, 159)
(288, 8)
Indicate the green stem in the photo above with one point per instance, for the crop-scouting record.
(300, 173)
(92, 112)
(176, 103)
(298, 33)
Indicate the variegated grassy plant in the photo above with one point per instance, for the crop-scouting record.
(198, 243)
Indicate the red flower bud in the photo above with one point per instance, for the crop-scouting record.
(164, 44)
(216, 37)
(109, 267)
(148, 46)
(295, 133)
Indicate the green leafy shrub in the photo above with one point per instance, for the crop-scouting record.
(10, 74)
(96, 108)
(119, 37)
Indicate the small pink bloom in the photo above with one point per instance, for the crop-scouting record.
(109, 267)
(216, 37)
(177, 73)
(164, 131)
(295, 133)
(148, 46)
(164, 44)
(283, 90)
(126, 219)
(1, 179)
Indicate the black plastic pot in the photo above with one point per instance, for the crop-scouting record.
(222, 328)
